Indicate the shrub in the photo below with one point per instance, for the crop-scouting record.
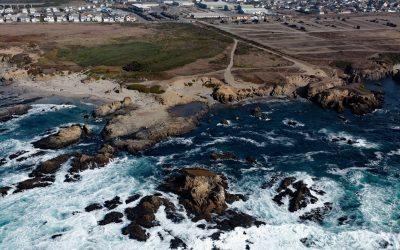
(155, 89)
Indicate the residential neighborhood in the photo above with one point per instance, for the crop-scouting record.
(121, 11)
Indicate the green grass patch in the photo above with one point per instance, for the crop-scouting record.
(393, 58)
(346, 66)
(243, 49)
(156, 89)
(173, 46)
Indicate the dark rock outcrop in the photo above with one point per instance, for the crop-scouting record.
(143, 216)
(83, 162)
(134, 231)
(44, 174)
(299, 198)
(147, 137)
(4, 190)
(317, 214)
(9, 113)
(132, 198)
(50, 167)
(338, 98)
(223, 156)
(92, 207)
(176, 243)
(111, 217)
(256, 112)
(200, 191)
(113, 203)
(63, 138)
(396, 75)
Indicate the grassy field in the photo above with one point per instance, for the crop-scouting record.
(174, 45)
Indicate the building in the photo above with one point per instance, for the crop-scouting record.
(251, 10)
(207, 15)
(144, 6)
(182, 3)
(216, 5)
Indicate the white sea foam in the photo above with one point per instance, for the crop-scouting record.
(224, 139)
(177, 140)
(271, 137)
(359, 142)
(30, 218)
(394, 152)
(292, 123)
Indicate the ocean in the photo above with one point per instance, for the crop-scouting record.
(355, 160)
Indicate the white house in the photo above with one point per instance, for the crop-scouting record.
(98, 18)
(50, 19)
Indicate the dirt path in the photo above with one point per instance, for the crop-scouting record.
(228, 77)
(304, 66)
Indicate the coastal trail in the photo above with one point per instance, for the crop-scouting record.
(228, 77)
(307, 68)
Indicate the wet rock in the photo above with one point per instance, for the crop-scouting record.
(271, 182)
(232, 219)
(230, 198)
(299, 198)
(396, 75)
(292, 123)
(383, 244)
(134, 231)
(251, 160)
(256, 112)
(144, 138)
(225, 122)
(17, 154)
(111, 108)
(200, 191)
(83, 162)
(132, 198)
(4, 190)
(2, 161)
(111, 204)
(34, 183)
(351, 142)
(51, 166)
(43, 175)
(216, 235)
(9, 113)
(64, 137)
(285, 183)
(112, 217)
(143, 216)
(308, 242)
(317, 214)
(92, 207)
(223, 156)
(23, 158)
(343, 220)
(176, 243)
(54, 236)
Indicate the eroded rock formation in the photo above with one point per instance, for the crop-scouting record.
(9, 113)
(63, 138)
(111, 108)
